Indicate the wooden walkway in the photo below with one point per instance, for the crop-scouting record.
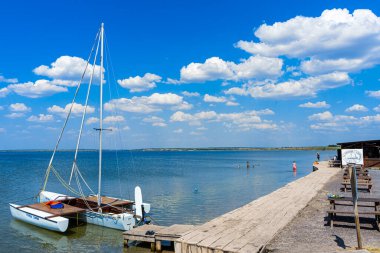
(156, 234)
(250, 227)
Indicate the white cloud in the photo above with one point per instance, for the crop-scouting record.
(373, 93)
(213, 99)
(40, 88)
(321, 116)
(1, 108)
(77, 110)
(19, 107)
(330, 122)
(148, 104)
(190, 94)
(335, 41)
(231, 103)
(7, 80)
(321, 104)
(15, 115)
(243, 120)
(214, 68)
(138, 83)
(4, 92)
(41, 118)
(67, 68)
(178, 131)
(2, 130)
(113, 119)
(377, 108)
(305, 87)
(357, 108)
(92, 120)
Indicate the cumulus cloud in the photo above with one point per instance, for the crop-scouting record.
(138, 83)
(41, 118)
(77, 110)
(4, 92)
(305, 87)
(321, 104)
(357, 108)
(92, 120)
(334, 41)
(113, 119)
(214, 68)
(7, 80)
(321, 116)
(328, 122)
(155, 121)
(39, 88)
(213, 99)
(373, 93)
(67, 68)
(190, 94)
(377, 108)
(19, 107)
(15, 115)
(178, 131)
(243, 120)
(148, 104)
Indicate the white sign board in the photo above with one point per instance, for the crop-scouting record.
(352, 156)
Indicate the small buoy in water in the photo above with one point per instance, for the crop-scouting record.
(195, 190)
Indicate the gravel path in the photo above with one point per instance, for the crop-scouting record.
(309, 231)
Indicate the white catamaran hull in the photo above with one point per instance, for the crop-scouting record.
(38, 218)
(123, 221)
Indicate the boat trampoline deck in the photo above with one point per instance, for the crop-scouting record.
(65, 211)
(110, 201)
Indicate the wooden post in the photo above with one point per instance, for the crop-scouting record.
(152, 247)
(158, 246)
(354, 190)
(125, 243)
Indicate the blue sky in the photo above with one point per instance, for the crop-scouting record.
(192, 73)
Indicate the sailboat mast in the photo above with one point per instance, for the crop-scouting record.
(101, 114)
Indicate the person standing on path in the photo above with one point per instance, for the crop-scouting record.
(318, 156)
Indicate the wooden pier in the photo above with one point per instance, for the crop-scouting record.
(250, 227)
(156, 234)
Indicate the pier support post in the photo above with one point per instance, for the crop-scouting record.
(158, 246)
(152, 247)
(125, 243)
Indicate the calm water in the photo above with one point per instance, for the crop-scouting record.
(183, 187)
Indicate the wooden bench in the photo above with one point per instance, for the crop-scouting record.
(332, 214)
(362, 202)
(365, 184)
(334, 163)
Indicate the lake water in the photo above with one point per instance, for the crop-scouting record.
(182, 187)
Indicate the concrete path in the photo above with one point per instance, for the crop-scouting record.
(250, 227)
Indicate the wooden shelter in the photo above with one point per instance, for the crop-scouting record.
(371, 151)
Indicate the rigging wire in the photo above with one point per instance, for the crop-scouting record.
(114, 108)
(84, 114)
(68, 116)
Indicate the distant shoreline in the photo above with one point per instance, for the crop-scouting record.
(320, 148)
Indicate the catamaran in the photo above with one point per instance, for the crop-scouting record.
(53, 211)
